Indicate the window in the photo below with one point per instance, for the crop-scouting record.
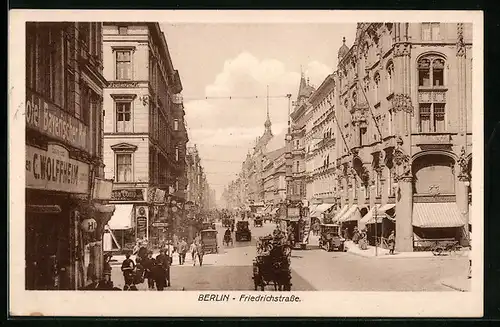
(376, 79)
(122, 29)
(124, 65)
(390, 77)
(176, 124)
(177, 153)
(123, 117)
(430, 31)
(389, 123)
(123, 167)
(424, 110)
(298, 166)
(431, 71)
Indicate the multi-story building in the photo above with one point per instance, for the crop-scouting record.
(320, 152)
(299, 117)
(274, 177)
(402, 104)
(64, 95)
(144, 132)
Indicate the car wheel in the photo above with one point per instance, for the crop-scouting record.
(327, 247)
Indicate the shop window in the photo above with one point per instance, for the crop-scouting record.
(123, 117)
(124, 65)
(176, 124)
(123, 167)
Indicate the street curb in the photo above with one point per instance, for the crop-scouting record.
(396, 256)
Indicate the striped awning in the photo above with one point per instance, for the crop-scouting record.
(352, 214)
(267, 209)
(340, 213)
(437, 215)
(312, 209)
(374, 213)
(320, 209)
(122, 217)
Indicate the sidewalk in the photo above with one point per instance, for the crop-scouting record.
(384, 253)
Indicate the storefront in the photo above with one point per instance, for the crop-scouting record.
(56, 188)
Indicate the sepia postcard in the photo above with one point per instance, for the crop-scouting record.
(246, 163)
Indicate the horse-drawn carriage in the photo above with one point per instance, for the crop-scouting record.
(258, 221)
(272, 264)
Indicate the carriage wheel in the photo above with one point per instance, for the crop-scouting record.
(327, 247)
(437, 251)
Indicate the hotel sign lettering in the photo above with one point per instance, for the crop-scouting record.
(50, 120)
(123, 85)
(54, 170)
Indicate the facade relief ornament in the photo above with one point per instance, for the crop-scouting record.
(464, 165)
(402, 102)
(460, 40)
(402, 162)
(402, 49)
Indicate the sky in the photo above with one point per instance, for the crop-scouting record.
(242, 60)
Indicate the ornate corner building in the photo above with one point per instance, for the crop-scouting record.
(394, 129)
(144, 130)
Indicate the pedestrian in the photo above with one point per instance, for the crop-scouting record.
(148, 265)
(107, 263)
(106, 283)
(182, 250)
(192, 250)
(392, 243)
(200, 252)
(128, 267)
(162, 270)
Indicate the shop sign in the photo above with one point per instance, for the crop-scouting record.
(103, 188)
(127, 194)
(123, 85)
(52, 121)
(142, 224)
(89, 225)
(293, 212)
(54, 170)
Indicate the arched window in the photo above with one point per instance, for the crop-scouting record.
(432, 98)
(354, 99)
(431, 71)
(376, 79)
(390, 77)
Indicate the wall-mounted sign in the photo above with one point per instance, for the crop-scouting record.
(293, 212)
(159, 224)
(50, 120)
(127, 194)
(89, 225)
(54, 170)
(122, 85)
(142, 226)
(102, 189)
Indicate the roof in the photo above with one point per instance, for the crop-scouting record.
(305, 90)
(273, 155)
(343, 50)
(437, 215)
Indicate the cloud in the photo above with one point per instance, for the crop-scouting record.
(226, 129)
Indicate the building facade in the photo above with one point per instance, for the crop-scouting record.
(299, 118)
(144, 132)
(64, 93)
(402, 103)
(274, 177)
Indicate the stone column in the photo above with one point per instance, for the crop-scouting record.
(404, 211)
(462, 198)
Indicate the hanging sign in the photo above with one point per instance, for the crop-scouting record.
(127, 194)
(54, 170)
(52, 121)
(89, 225)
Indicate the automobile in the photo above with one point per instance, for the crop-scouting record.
(257, 221)
(208, 225)
(209, 240)
(243, 231)
(330, 239)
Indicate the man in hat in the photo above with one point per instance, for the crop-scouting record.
(392, 243)
(128, 267)
(182, 250)
(162, 269)
(148, 264)
(105, 284)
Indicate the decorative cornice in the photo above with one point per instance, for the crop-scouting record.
(460, 40)
(402, 49)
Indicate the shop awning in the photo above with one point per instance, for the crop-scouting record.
(387, 206)
(437, 215)
(340, 213)
(312, 209)
(122, 217)
(374, 213)
(352, 214)
(320, 209)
